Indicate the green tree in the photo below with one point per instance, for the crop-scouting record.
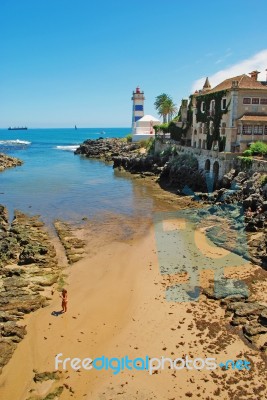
(165, 107)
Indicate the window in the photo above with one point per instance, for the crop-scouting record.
(246, 100)
(212, 107)
(223, 128)
(258, 130)
(255, 100)
(263, 101)
(247, 130)
(265, 130)
(203, 107)
(223, 105)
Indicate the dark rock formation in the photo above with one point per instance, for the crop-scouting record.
(106, 149)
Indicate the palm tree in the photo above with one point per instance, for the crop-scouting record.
(165, 107)
(160, 99)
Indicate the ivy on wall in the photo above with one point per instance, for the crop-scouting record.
(206, 117)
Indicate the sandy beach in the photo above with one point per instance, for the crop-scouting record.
(117, 307)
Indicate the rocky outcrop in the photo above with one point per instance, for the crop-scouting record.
(74, 246)
(8, 162)
(243, 311)
(28, 264)
(106, 149)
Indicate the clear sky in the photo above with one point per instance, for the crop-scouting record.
(66, 62)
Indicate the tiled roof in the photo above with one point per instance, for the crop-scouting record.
(253, 118)
(244, 82)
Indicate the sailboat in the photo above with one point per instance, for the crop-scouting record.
(75, 127)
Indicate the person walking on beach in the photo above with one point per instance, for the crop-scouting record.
(64, 297)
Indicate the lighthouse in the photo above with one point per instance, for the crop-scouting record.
(138, 107)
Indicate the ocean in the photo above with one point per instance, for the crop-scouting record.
(55, 183)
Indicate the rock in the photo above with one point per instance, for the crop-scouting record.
(231, 299)
(239, 321)
(264, 205)
(11, 329)
(8, 162)
(26, 242)
(46, 376)
(263, 317)
(6, 350)
(32, 253)
(225, 288)
(241, 177)
(248, 308)
(74, 247)
(252, 330)
(227, 179)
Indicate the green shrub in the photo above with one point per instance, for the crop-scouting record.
(147, 143)
(247, 153)
(258, 148)
(263, 180)
(246, 162)
(129, 137)
(150, 146)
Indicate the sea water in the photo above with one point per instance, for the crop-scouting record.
(55, 183)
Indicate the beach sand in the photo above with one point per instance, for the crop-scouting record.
(117, 307)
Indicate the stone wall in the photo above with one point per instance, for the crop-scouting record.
(218, 163)
(258, 165)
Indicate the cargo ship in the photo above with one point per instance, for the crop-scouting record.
(19, 128)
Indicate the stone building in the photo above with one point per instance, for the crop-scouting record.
(230, 116)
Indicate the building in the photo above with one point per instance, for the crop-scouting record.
(145, 128)
(138, 99)
(142, 125)
(230, 116)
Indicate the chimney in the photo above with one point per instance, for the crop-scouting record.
(254, 75)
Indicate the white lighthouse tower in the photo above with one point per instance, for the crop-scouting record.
(138, 107)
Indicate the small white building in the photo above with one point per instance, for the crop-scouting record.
(144, 128)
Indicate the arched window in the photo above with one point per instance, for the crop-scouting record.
(207, 165)
(216, 170)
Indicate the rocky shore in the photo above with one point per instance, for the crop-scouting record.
(28, 267)
(8, 162)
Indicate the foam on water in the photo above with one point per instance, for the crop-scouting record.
(68, 148)
(15, 142)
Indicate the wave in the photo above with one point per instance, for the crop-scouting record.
(68, 148)
(15, 142)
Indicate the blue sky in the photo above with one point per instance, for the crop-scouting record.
(66, 62)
